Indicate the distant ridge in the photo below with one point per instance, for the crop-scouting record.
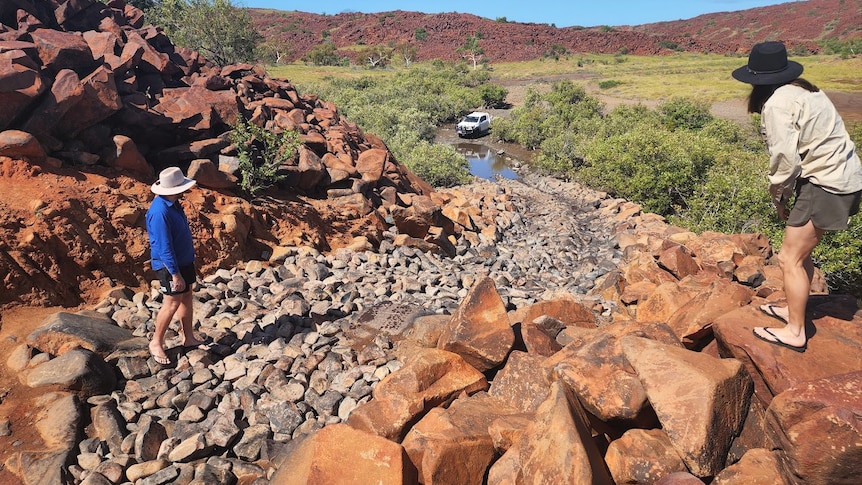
(799, 24)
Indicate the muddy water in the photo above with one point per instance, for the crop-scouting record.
(486, 162)
(488, 158)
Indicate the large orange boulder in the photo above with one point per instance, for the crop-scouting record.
(479, 330)
(341, 455)
(816, 427)
(701, 401)
(431, 378)
(834, 336)
(557, 447)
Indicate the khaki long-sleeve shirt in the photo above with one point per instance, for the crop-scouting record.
(806, 138)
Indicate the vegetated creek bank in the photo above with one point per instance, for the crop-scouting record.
(281, 358)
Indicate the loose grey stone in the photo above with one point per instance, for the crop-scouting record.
(95, 478)
(249, 445)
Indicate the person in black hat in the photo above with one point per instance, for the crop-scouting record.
(812, 157)
(172, 254)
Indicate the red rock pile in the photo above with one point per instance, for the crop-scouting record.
(94, 85)
(657, 390)
(95, 103)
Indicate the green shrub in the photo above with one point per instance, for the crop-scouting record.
(685, 113)
(526, 128)
(733, 198)
(658, 168)
(560, 155)
(493, 95)
(261, 154)
(610, 83)
(844, 48)
(668, 44)
(323, 54)
(221, 31)
(566, 108)
(504, 130)
(838, 256)
(439, 165)
(624, 117)
(556, 52)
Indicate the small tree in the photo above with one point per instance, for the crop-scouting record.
(377, 55)
(493, 95)
(216, 28)
(276, 51)
(556, 52)
(407, 52)
(261, 154)
(471, 49)
(322, 54)
(688, 113)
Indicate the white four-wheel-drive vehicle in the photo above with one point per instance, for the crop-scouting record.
(474, 124)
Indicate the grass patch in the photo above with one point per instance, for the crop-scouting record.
(705, 76)
(301, 73)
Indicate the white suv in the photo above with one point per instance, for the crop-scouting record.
(476, 123)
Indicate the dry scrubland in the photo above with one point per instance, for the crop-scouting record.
(706, 77)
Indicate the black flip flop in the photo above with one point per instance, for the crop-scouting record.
(770, 310)
(777, 341)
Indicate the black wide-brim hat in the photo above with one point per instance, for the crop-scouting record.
(768, 64)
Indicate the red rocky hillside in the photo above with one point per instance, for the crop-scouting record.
(799, 24)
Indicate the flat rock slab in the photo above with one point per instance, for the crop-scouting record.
(390, 319)
(834, 345)
(78, 370)
(64, 331)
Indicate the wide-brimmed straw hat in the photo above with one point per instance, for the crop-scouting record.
(768, 64)
(171, 182)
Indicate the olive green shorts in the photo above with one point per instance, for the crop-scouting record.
(828, 211)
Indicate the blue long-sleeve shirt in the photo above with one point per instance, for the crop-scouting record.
(171, 244)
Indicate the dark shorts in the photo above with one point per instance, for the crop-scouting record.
(187, 272)
(826, 210)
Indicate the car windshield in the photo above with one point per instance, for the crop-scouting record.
(472, 119)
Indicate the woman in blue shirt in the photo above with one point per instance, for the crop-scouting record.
(172, 253)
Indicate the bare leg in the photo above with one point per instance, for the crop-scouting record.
(798, 271)
(186, 316)
(170, 305)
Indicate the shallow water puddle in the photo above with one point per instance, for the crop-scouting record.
(485, 162)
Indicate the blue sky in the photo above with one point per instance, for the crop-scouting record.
(562, 13)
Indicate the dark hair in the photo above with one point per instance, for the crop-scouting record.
(761, 93)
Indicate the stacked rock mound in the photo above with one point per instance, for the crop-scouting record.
(90, 94)
(95, 85)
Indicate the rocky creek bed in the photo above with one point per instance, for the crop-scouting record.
(291, 347)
